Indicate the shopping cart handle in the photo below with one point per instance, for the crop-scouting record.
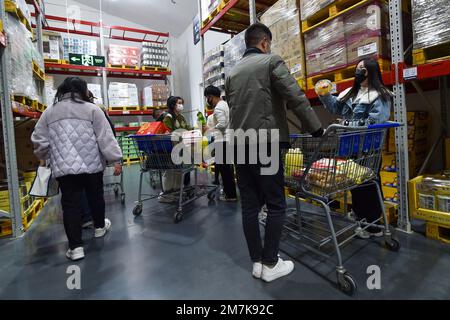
(389, 124)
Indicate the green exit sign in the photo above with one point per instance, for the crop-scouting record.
(87, 60)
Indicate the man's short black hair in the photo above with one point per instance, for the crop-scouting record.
(256, 33)
(212, 91)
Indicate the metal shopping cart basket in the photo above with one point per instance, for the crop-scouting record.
(115, 183)
(155, 156)
(321, 170)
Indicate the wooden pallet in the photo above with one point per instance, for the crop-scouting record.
(32, 213)
(19, 99)
(5, 228)
(123, 67)
(38, 72)
(11, 7)
(431, 54)
(206, 21)
(438, 232)
(124, 108)
(41, 107)
(342, 75)
(302, 84)
(155, 69)
(337, 8)
(147, 108)
(56, 61)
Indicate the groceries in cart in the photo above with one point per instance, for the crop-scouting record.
(326, 173)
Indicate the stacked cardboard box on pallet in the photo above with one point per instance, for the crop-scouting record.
(234, 50)
(347, 38)
(119, 55)
(418, 125)
(214, 67)
(431, 30)
(123, 95)
(79, 46)
(159, 94)
(26, 160)
(283, 19)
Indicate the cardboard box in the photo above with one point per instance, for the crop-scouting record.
(25, 130)
(389, 179)
(418, 119)
(361, 46)
(390, 194)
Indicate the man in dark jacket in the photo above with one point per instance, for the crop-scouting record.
(259, 89)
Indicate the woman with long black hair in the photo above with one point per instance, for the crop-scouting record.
(77, 140)
(368, 101)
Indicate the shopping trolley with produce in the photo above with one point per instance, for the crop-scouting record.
(114, 183)
(322, 170)
(156, 156)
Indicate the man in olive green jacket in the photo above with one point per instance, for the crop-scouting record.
(258, 90)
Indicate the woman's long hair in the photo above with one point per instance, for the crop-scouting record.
(375, 81)
(77, 87)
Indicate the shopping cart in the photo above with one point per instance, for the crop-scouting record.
(113, 183)
(322, 170)
(155, 156)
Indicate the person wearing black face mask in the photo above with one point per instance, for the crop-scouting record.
(367, 102)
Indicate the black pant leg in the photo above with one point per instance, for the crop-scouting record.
(272, 187)
(251, 202)
(71, 192)
(227, 173)
(93, 185)
(366, 203)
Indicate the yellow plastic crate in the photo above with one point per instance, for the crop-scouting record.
(433, 216)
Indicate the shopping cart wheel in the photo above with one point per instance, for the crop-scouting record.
(137, 211)
(122, 199)
(178, 216)
(212, 195)
(347, 284)
(393, 245)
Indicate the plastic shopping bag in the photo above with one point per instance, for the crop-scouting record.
(44, 185)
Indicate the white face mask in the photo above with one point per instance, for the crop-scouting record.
(180, 107)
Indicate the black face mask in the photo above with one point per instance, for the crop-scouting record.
(360, 76)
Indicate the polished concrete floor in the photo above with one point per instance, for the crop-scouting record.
(203, 257)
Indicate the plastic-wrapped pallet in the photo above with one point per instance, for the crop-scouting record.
(123, 55)
(283, 19)
(23, 6)
(234, 50)
(367, 32)
(160, 94)
(325, 47)
(21, 47)
(154, 55)
(431, 22)
(53, 45)
(79, 46)
(214, 67)
(147, 96)
(310, 7)
(123, 95)
(50, 90)
(96, 90)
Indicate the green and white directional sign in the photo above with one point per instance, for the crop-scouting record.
(87, 60)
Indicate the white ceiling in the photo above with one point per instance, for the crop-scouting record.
(159, 15)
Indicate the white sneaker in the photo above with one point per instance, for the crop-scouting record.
(100, 232)
(378, 234)
(75, 254)
(257, 270)
(281, 269)
(362, 234)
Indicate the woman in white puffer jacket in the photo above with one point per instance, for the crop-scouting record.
(75, 136)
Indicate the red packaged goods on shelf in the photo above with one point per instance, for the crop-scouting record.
(123, 55)
(153, 128)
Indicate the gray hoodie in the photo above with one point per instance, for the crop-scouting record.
(76, 138)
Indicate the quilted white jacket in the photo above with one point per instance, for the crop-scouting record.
(76, 137)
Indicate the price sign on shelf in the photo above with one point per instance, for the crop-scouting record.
(410, 73)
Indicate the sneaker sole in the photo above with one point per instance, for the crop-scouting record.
(75, 258)
(104, 232)
(277, 276)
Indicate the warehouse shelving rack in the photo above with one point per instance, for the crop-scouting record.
(236, 15)
(8, 117)
(95, 29)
